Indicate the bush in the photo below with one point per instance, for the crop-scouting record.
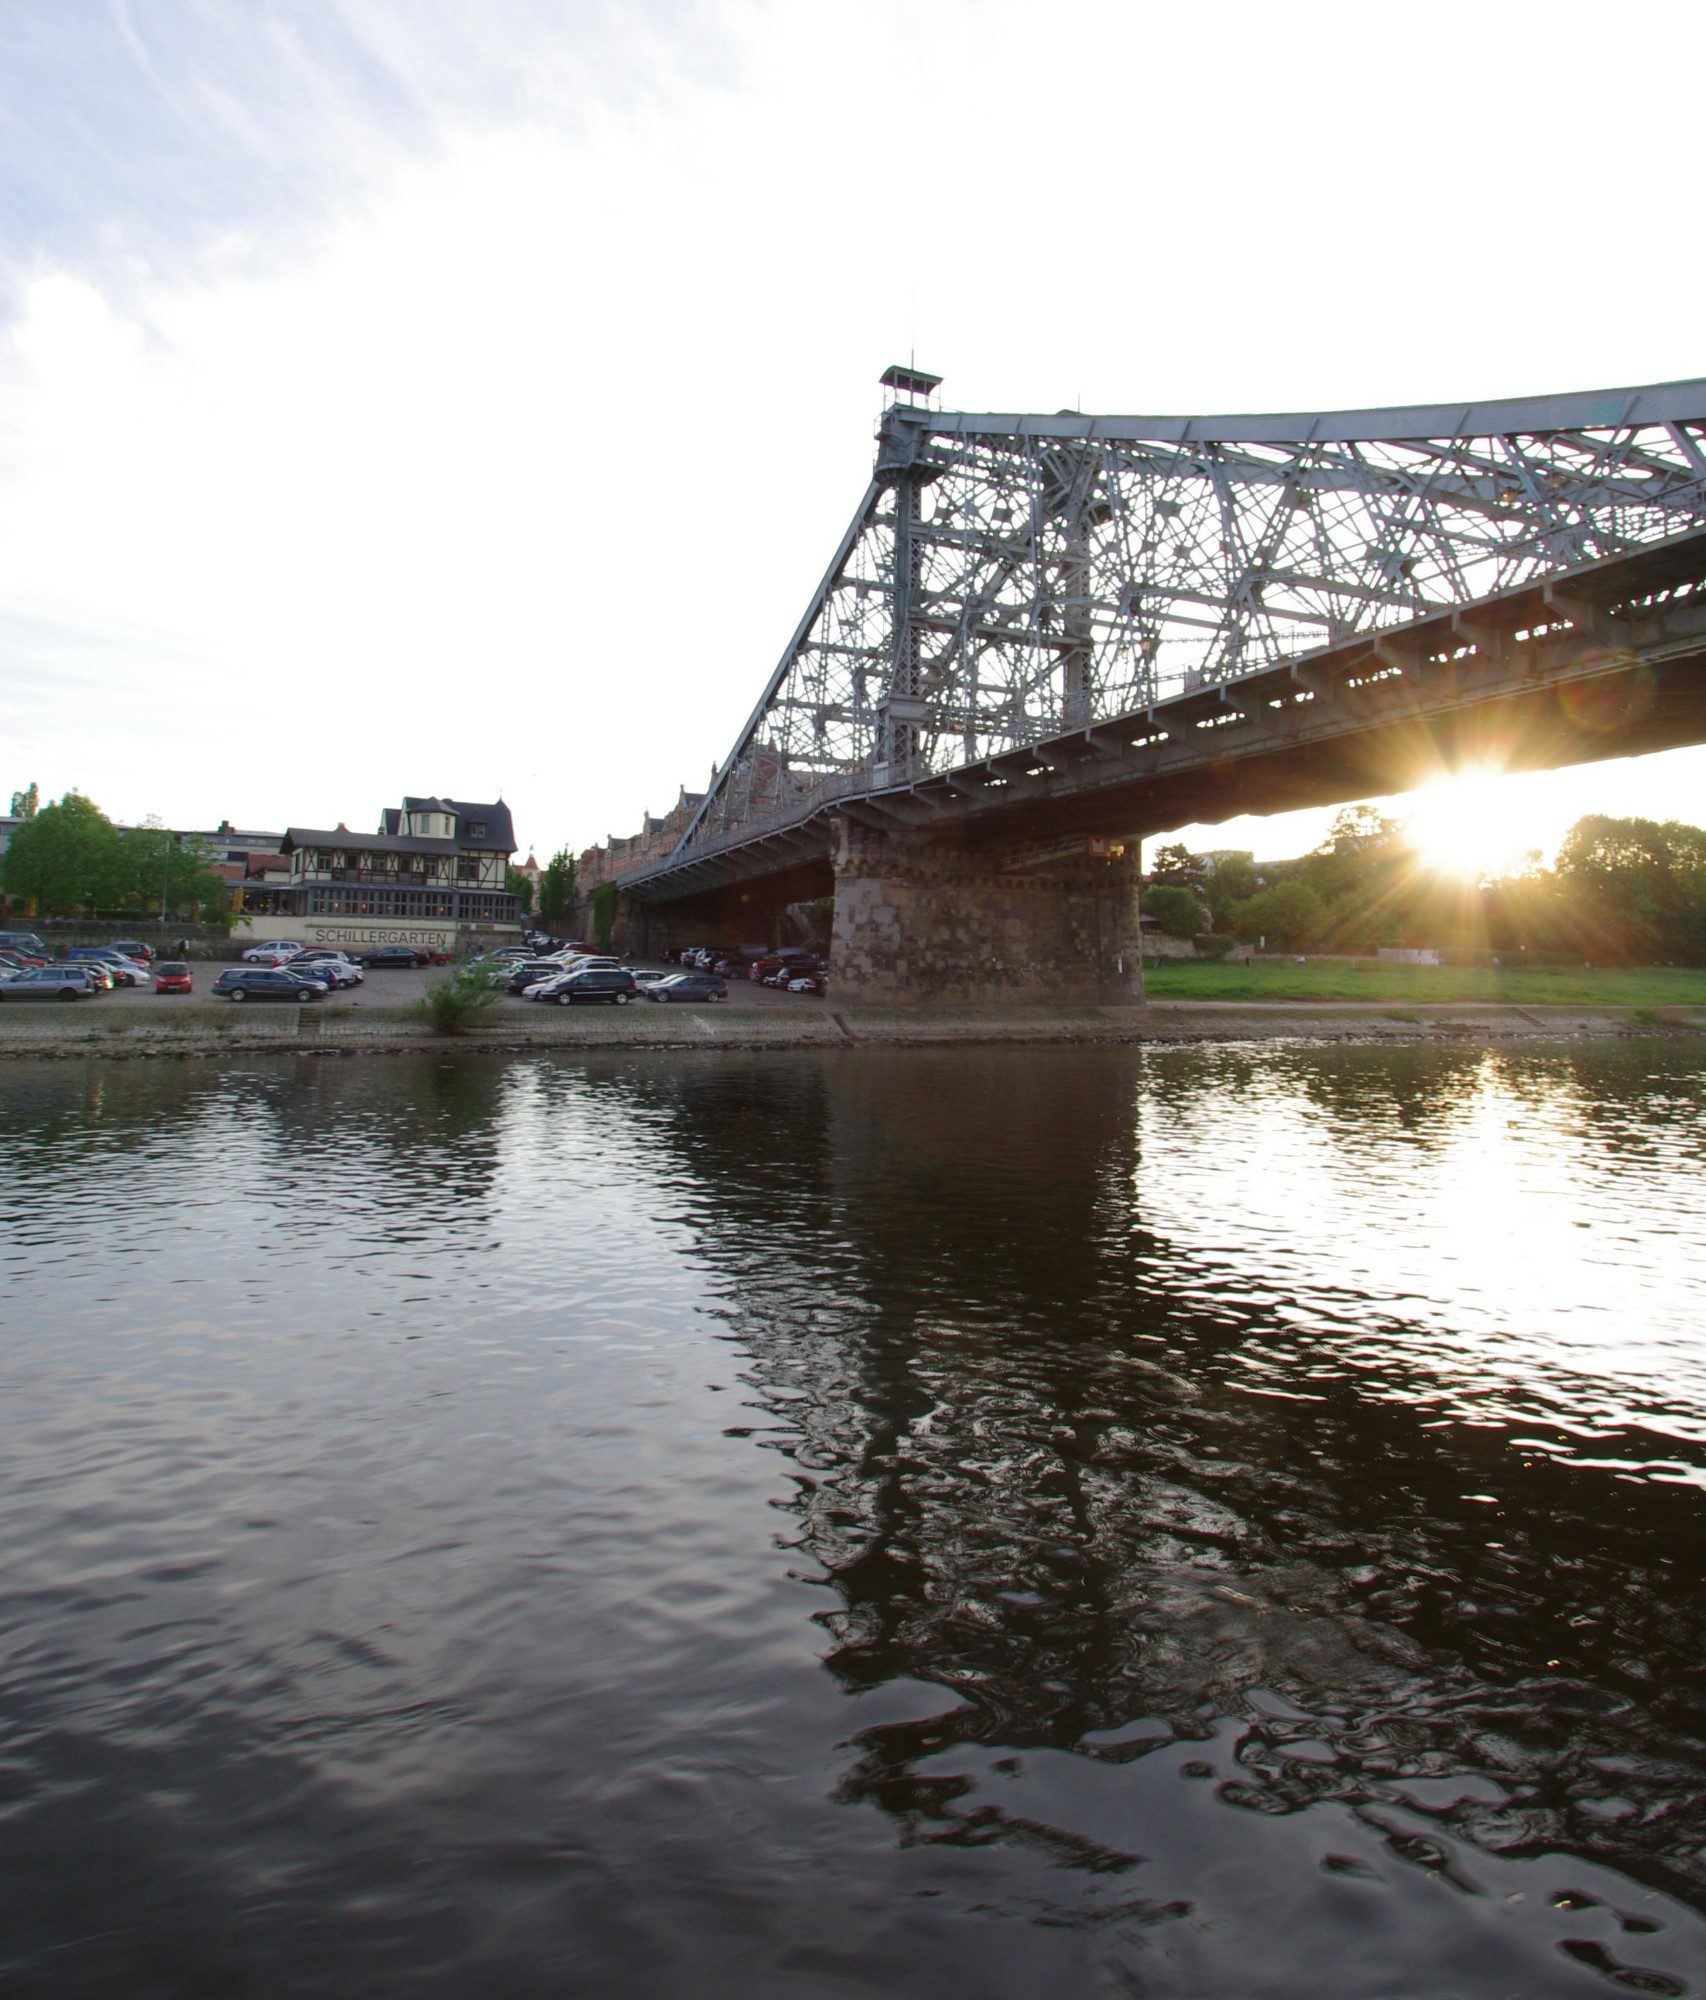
(1176, 910)
(453, 1002)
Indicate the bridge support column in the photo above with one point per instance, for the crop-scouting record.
(922, 921)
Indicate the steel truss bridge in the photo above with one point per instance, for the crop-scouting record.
(1069, 623)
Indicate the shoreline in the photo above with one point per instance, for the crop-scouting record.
(214, 1031)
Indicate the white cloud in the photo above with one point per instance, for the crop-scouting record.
(492, 426)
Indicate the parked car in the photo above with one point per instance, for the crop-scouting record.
(26, 942)
(807, 982)
(269, 950)
(125, 971)
(687, 986)
(645, 975)
(144, 954)
(531, 971)
(49, 982)
(336, 967)
(607, 985)
(173, 976)
(261, 982)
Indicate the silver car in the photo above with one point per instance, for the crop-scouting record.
(49, 982)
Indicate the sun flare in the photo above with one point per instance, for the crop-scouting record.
(1472, 823)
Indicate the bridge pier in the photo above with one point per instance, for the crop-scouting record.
(924, 920)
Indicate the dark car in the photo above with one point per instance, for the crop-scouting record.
(688, 986)
(610, 985)
(26, 943)
(531, 970)
(259, 982)
(389, 956)
(144, 954)
(49, 982)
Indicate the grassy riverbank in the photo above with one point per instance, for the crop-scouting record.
(1422, 985)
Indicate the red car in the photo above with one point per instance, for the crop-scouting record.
(173, 977)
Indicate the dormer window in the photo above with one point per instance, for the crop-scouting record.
(476, 829)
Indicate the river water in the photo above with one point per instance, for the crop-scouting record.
(985, 1523)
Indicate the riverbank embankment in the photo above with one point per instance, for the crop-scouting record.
(214, 1028)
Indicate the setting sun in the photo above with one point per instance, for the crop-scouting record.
(1472, 823)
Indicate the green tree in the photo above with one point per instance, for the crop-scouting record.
(24, 803)
(164, 874)
(66, 859)
(1290, 916)
(1361, 874)
(1174, 863)
(1234, 881)
(1635, 889)
(520, 885)
(559, 889)
(604, 914)
(1175, 909)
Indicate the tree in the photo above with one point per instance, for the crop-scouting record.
(1174, 863)
(1635, 888)
(24, 803)
(604, 914)
(520, 885)
(65, 859)
(1360, 874)
(559, 890)
(1175, 909)
(1234, 880)
(165, 874)
(1289, 916)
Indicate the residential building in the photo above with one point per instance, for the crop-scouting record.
(432, 874)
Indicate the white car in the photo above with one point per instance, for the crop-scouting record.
(273, 954)
(332, 966)
(128, 971)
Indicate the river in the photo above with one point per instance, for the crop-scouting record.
(972, 1523)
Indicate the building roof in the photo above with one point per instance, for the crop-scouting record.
(500, 829)
(363, 843)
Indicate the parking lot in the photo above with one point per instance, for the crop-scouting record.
(398, 988)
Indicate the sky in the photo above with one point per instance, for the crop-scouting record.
(408, 396)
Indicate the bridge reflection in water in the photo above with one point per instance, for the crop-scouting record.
(1315, 1507)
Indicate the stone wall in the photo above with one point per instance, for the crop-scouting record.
(921, 920)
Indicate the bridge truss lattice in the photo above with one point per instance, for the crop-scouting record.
(1008, 578)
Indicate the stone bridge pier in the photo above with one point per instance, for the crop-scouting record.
(922, 919)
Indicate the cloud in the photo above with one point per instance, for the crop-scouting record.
(416, 397)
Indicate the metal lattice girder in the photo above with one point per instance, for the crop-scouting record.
(1009, 577)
